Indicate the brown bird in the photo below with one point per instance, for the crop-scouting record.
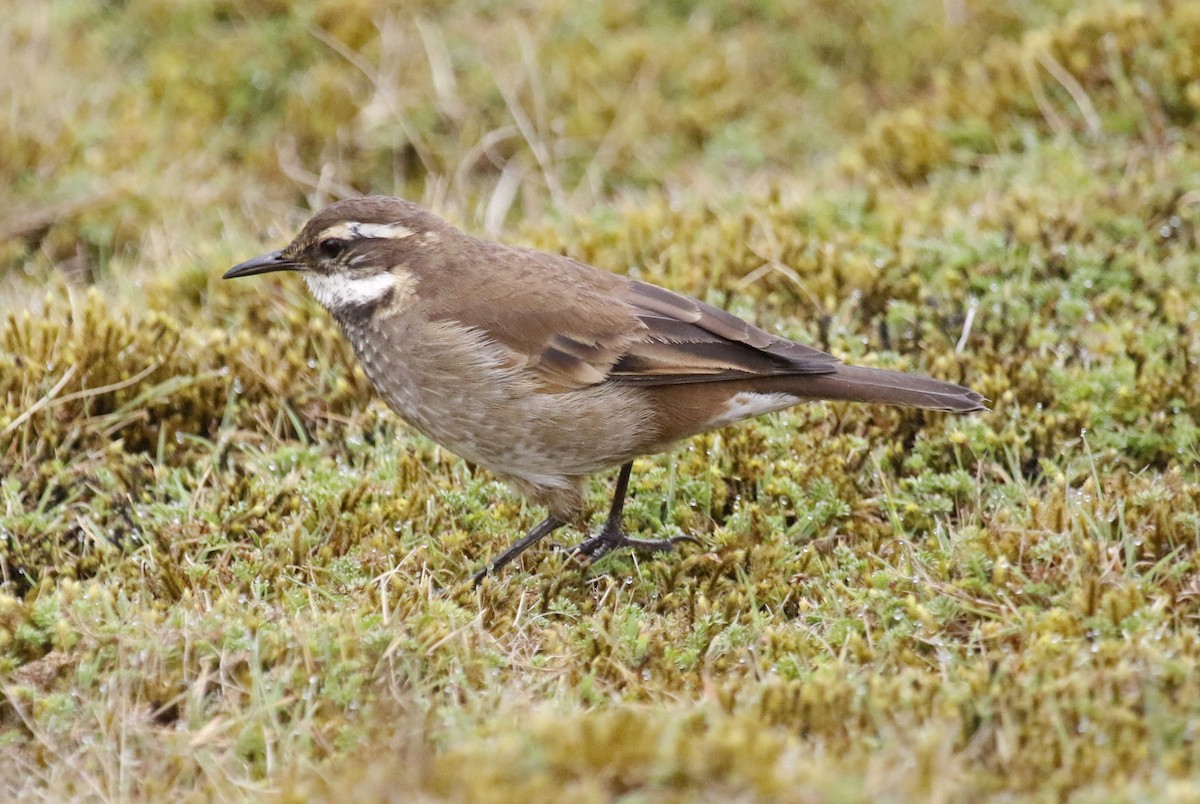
(545, 370)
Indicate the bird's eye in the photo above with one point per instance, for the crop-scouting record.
(332, 247)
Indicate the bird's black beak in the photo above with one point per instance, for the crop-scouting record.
(263, 264)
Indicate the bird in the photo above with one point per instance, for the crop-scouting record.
(546, 370)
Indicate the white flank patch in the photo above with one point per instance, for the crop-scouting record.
(352, 229)
(545, 481)
(343, 292)
(745, 404)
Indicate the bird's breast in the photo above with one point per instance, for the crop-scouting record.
(475, 397)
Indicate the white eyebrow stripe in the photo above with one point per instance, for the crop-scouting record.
(353, 229)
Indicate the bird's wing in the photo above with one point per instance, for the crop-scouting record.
(684, 340)
(577, 326)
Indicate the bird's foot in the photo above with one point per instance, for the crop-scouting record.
(609, 539)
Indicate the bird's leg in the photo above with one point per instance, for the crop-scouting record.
(612, 535)
(544, 529)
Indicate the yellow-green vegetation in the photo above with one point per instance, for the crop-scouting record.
(225, 571)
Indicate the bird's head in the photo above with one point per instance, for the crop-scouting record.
(355, 254)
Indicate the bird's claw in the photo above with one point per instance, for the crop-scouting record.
(604, 542)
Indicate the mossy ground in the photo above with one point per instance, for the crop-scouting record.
(227, 572)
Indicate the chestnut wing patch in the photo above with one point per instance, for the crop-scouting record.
(574, 361)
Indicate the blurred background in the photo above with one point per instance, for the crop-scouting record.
(149, 128)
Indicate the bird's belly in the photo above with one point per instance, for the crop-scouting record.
(478, 405)
(542, 439)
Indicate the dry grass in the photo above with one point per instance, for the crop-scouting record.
(226, 572)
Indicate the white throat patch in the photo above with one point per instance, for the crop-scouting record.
(342, 292)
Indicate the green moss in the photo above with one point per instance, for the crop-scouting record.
(223, 564)
(1079, 79)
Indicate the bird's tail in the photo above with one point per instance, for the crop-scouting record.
(860, 384)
